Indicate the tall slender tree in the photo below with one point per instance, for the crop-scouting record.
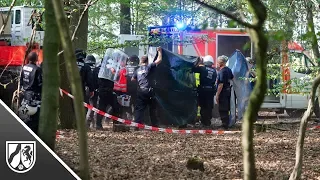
(258, 37)
(75, 82)
(51, 80)
(125, 20)
(297, 170)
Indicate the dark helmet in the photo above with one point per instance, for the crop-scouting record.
(90, 59)
(80, 54)
(133, 60)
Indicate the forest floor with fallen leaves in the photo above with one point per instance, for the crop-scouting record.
(156, 155)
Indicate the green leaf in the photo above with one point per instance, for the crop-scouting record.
(204, 25)
(232, 24)
(246, 46)
(279, 35)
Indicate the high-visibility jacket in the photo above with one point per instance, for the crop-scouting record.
(121, 85)
(197, 75)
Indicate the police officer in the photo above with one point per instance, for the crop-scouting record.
(106, 85)
(91, 61)
(85, 73)
(224, 90)
(132, 66)
(206, 88)
(31, 85)
(145, 94)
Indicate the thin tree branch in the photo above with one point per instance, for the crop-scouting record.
(241, 14)
(105, 31)
(90, 3)
(8, 15)
(260, 11)
(225, 13)
(289, 8)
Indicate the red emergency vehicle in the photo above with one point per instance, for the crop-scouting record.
(14, 42)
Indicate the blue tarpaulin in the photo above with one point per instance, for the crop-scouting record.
(240, 86)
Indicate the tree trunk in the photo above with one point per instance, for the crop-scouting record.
(260, 42)
(81, 37)
(82, 33)
(74, 19)
(67, 117)
(255, 101)
(125, 20)
(50, 89)
(297, 170)
(314, 40)
(75, 82)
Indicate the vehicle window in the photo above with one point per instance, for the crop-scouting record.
(11, 14)
(18, 17)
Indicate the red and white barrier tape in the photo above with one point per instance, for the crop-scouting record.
(313, 128)
(143, 126)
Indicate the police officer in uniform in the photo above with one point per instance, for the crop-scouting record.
(31, 85)
(206, 88)
(224, 90)
(85, 74)
(132, 66)
(145, 94)
(91, 61)
(106, 85)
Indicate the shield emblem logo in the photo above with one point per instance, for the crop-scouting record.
(20, 155)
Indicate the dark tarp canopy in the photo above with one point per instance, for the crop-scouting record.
(174, 86)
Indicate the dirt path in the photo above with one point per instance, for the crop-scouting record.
(152, 155)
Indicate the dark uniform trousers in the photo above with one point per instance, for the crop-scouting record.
(106, 97)
(93, 102)
(205, 99)
(33, 124)
(145, 97)
(224, 106)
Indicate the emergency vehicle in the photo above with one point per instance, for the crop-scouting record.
(13, 46)
(217, 42)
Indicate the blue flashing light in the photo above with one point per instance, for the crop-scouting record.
(181, 26)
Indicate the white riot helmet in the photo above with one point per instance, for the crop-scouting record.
(31, 110)
(208, 60)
